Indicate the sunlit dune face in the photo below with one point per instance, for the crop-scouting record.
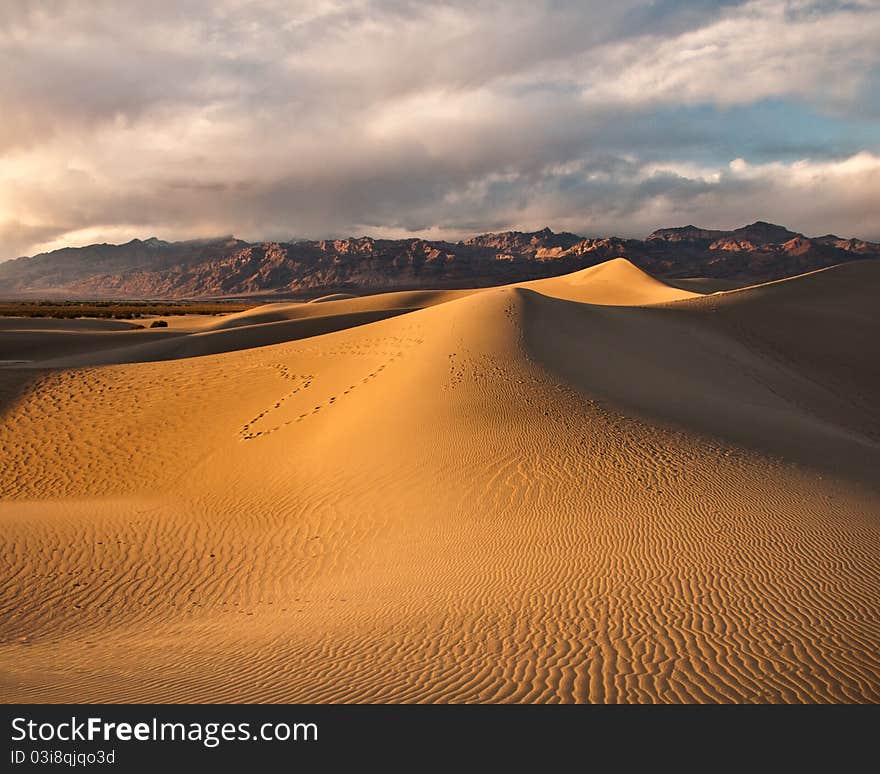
(588, 488)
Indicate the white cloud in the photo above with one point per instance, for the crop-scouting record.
(762, 50)
(813, 196)
(273, 119)
(862, 166)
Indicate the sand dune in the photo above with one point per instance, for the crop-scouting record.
(52, 324)
(332, 297)
(594, 488)
(705, 285)
(82, 342)
(339, 304)
(199, 343)
(613, 283)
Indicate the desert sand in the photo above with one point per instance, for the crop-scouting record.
(591, 488)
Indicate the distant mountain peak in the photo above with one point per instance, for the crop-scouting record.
(684, 234)
(758, 233)
(762, 232)
(217, 266)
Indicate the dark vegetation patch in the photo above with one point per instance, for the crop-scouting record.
(115, 310)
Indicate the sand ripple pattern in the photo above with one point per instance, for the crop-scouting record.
(476, 502)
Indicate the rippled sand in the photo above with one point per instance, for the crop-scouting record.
(593, 488)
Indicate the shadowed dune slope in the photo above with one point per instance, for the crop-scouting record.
(46, 345)
(210, 342)
(332, 297)
(52, 324)
(510, 497)
(80, 343)
(338, 304)
(753, 367)
(822, 327)
(705, 285)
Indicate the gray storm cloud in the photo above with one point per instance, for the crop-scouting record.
(280, 120)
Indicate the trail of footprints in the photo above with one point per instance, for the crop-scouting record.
(484, 367)
(305, 381)
(480, 368)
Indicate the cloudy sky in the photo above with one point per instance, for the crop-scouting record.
(277, 119)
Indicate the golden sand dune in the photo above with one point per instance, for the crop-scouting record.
(613, 283)
(528, 494)
(332, 297)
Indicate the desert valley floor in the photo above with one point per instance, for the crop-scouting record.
(591, 488)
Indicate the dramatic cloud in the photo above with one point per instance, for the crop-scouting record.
(274, 119)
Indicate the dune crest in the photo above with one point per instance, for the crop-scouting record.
(614, 283)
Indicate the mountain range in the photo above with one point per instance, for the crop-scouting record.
(227, 266)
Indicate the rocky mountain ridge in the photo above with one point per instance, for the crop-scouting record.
(227, 266)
